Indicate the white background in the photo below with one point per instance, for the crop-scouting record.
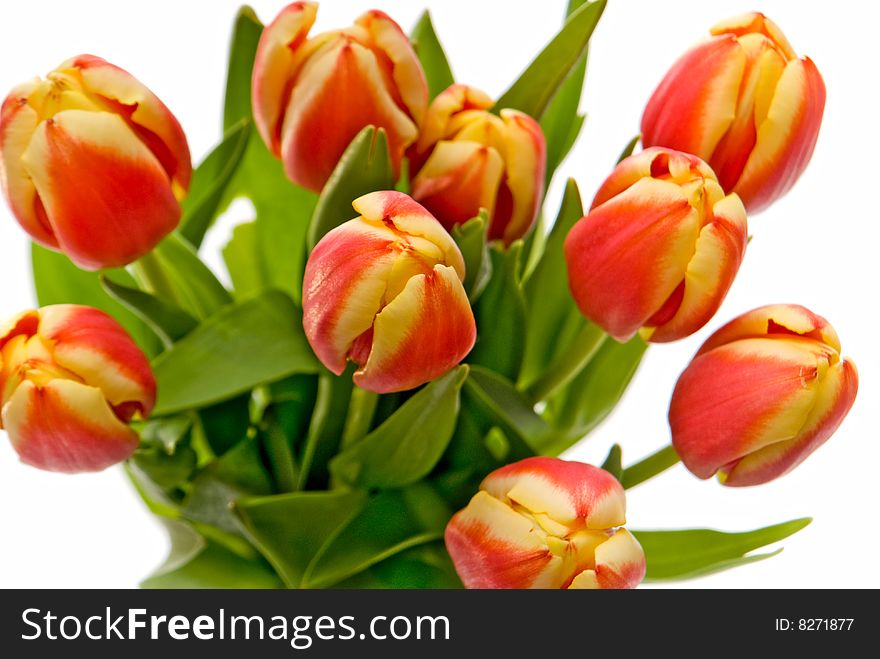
(817, 247)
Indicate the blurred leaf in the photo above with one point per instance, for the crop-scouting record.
(424, 566)
(290, 529)
(613, 464)
(430, 53)
(549, 305)
(58, 281)
(243, 345)
(697, 552)
(242, 261)
(471, 238)
(540, 82)
(325, 429)
(195, 562)
(167, 432)
(226, 423)
(210, 178)
(594, 392)
(284, 425)
(243, 46)
(628, 149)
(364, 167)
(168, 321)
(390, 523)
(194, 285)
(167, 470)
(501, 311)
(406, 447)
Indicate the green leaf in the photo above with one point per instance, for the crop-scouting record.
(501, 307)
(326, 428)
(193, 284)
(241, 256)
(243, 46)
(166, 470)
(471, 238)
(364, 167)
(424, 566)
(613, 463)
(540, 82)
(391, 522)
(243, 345)
(407, 446)
(290, 529)
(628, 149)
(226, 423)
(169, 322)
(696, 552)
(594, 392)
(58, 281)
(195, 562)
(210, 178)
(549, 305)
(430, 53)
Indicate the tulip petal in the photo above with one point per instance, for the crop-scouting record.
(620, 561)
(421, 334)
(451, 101)
(66, 426)
(525, 160)
(116, 205)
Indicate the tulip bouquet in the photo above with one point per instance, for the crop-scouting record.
(411, 339)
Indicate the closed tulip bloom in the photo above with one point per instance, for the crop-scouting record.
(311, 96)
(92, 163)
(71, 380)
(384, 290)
(546, 523)
(745, 103)
(658, 250)
(467, 158)
(763, 393)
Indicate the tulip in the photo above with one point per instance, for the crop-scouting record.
(763, 393)
(71, 380)
(92, 163)
(745, 103)
(311, 96)
(467, 158)
(659, 248)
(546, 523)
(385, 291)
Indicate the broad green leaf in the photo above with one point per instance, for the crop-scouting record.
(540, 82)
(696, 552)
(167, 470)
(472, 240)
(192, 283)
(408, 445)
(326, 428)
(58, 281)
(195, 562)
(594, 392)
(391, 522)
(242, 260)
(290, 529)
(158, 501)
(424, 566)
(364, 167)
(430, 53)
(549, 305)
(225, 424)
(210, 178)
(243, 345)
(243, 45)
(168, 321)
(500, 314)
(613, 464)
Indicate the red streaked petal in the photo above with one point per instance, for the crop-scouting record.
(66, 426)
(421, 334)
(443, 108)
(620, 562)
(106, 196)
(754, 23)
(525, 160)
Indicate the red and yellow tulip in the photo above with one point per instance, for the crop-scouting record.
(763, 393)
(311, 96)
(92, 163)
(385, 291)
(467, 158)
(71, 379)
(659, 248)
(745, 103)
(546, 523)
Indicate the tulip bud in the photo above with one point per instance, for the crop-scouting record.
(312, 96)
(763, 392)
(92, 163)
(467, 158)
(385, 290)
(546, 523)
(745, 103)
(659, 248)
(71, 379)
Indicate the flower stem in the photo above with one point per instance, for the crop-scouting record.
(567, 365)
(151, 277)
(654, 464)
(360, 415)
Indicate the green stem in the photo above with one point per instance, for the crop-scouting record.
(151, 277)
(567, 365)
(654, 464)
(360, 416)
